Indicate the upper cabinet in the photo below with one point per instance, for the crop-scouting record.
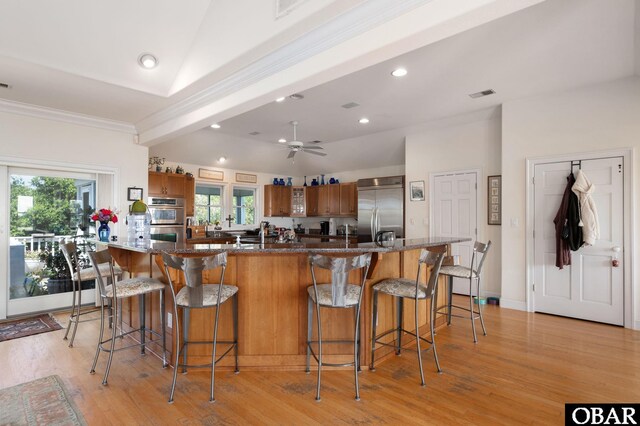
(166, 184)
(337, 200)
(349, 199)
(277, 200)
(190, 196)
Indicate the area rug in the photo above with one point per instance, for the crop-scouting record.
(40, 402)
(27, 327)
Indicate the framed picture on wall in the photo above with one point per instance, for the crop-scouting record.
(134, 194)
(416, 189)
(494, 200)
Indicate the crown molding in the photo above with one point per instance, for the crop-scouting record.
(352, 23)
(45, 113)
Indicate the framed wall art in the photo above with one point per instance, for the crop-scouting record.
(494, 201)
(211, 174)
(416, 190)
(134, 194)
(246, 178)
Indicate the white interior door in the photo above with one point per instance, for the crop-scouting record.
(454, 205)
(591, 288)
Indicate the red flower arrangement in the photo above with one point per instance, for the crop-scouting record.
(105, 215)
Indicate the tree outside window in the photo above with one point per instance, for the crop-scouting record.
(208, 204)
(244, 205)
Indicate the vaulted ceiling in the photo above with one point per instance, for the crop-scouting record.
(221, 62)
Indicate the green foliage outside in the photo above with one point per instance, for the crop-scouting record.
(55, 209)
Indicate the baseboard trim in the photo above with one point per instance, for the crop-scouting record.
(513, 304)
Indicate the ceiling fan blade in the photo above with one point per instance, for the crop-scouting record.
(291, 154)
(315, 153)
(313, 147)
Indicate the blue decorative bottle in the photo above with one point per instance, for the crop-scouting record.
(305, 181)
(289, 183)
(322, 180)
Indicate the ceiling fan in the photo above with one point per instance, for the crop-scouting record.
(296, 146)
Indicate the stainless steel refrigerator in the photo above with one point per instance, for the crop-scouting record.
(380, 207)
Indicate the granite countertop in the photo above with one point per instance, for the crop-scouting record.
(304, 246)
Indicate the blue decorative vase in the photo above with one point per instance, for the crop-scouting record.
(281, 181)
(332, 181)
(305, 181)
(275, 181)
(289, 183)
(314, 182)
(103, 232)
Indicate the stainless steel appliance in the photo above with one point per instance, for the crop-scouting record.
(380, 207)
(166, 211)
(324, 228)
(167, 218)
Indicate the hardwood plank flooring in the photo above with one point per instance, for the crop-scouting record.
(523, 372)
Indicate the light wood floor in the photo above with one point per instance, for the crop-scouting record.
(523, 372)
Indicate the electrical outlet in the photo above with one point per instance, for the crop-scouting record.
(169, 320)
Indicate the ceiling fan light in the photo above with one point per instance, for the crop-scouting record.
(282, 140)
(222, 159)
(147, 61)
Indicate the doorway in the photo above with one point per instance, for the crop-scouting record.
(593, 286)
(454, 207)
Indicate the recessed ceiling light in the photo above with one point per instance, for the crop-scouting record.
(281, 99)
(282, 140)
(148, 61)
(363, 120)
(215, 126)
(400, 72)
(222, 159)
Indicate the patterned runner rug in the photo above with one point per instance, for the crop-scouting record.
(27, 327)
(40, 402)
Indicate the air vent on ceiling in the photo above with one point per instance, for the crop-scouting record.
(254, 133)
(5, 86)
(350, 105)
(483, 93)
(316, 141)
(296, 96)
(284, 7)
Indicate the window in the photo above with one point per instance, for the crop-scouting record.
(244, 205)
(209, 205)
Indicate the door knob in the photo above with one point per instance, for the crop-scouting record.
(615, 262)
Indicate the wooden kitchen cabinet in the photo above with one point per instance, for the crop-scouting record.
(166, 185)
(349, 199)
(277, 200)
(312, 200)
(190, 196)
(298, 201)
(329, 200)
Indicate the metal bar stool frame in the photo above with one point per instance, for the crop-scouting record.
(79, 274)
(195, 293)
(403, 288)
(340, 268)
(142, 286)
(472, 272)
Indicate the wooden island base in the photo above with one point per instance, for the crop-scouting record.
(272, 308)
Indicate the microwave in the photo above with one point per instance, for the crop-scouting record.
(166, 211)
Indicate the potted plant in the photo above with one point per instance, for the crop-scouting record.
(57, 271)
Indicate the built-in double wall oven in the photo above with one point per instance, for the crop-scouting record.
(167, 218)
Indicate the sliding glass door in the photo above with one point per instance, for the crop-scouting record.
(47, 208)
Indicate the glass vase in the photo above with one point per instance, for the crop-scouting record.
(103, 232)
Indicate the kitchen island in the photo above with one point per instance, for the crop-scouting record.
(272, 281)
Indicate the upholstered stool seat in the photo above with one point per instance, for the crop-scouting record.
(352, 295)
(400, 289)
(209, 296)
(134, 287)
(458, 271)
(90, 273)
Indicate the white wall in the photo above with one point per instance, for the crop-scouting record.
(458, 143)
(594, 118)
(42, 140)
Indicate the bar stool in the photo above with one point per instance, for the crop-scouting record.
(337, 294)
(198, 295)
(80, 274)
(117, 291)
(403, 288)
(471, 273)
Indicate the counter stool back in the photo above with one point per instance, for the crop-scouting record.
(78, 275)
(403, 288)
(337, 294)
(473, 272)
(195, 294)
(116, 292)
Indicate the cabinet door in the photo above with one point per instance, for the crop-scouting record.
(190, 196)
(334, 199)
(298, 203)
(312, 200)
(174, 185)
(323, 200)
(156, 185)
(284, 200)
(348, 199)
(269, 200)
